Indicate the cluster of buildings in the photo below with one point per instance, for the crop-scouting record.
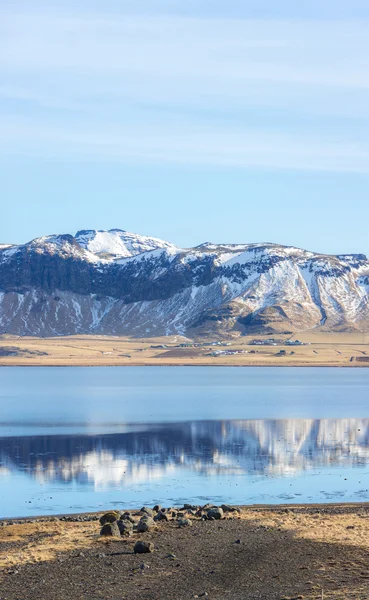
(274, 342)
(202, 344)
(226, 352)
(269, 342)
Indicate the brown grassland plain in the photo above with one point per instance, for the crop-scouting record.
(320, 349)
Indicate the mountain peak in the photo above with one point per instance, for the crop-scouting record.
(117, 243)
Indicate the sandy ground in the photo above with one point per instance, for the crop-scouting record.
(307, 552)
(321, 349)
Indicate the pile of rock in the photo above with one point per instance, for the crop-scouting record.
(115, 524)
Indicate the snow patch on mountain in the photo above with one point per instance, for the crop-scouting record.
(117, 243)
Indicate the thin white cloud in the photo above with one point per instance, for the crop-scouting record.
(300, 52)
(186, 90)
(180, 144)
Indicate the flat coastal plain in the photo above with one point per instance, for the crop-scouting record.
(318, 349)
(309, 552)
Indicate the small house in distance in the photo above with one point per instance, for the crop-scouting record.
(268, 342)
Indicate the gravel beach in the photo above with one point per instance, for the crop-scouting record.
(284, 552)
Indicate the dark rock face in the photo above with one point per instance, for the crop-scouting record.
(58, 286)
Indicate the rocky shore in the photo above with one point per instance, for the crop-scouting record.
(174, 553)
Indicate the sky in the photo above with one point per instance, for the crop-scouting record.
(189, 120)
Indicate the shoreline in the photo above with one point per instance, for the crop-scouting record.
(303, 507)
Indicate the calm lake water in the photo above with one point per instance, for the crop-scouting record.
(81, 439)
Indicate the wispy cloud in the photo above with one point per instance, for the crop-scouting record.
(241, 92)
(184, 144)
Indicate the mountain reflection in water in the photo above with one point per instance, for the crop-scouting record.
(269, 448)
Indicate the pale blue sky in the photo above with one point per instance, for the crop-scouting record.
(190, 120)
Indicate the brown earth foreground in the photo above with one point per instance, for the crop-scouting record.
(296, 552)
(319, 349)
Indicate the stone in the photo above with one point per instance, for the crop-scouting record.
(145, 524)
(146, 511)
(110, 529)
(125, 527)
(157, 508)
(127, 517)
(207, 506)
(215, 513)
(143, 547)
(190, 507)
(161, 517)
(184, 523)
(109, 517)
(230, 509)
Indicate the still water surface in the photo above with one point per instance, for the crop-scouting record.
(80, 439)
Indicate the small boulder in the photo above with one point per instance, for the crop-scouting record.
(145, 524)
(157, 508)
(190, 507)
(184, 523)
(146, 511)
(161, 517)
(127, 517)
(109, 517)
(110, 529)
(143, 547)
(230, 509)
(215, 513)
(125, 527)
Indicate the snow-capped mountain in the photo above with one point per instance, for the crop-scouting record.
(116, 243)
(115, 282)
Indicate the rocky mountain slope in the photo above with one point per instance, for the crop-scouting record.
(115, 282)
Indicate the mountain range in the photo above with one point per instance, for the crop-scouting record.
(120, 283)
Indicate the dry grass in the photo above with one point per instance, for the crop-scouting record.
(42, 541)
(36, 542)
(336, 349)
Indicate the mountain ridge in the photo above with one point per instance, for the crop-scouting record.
(121, 283)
